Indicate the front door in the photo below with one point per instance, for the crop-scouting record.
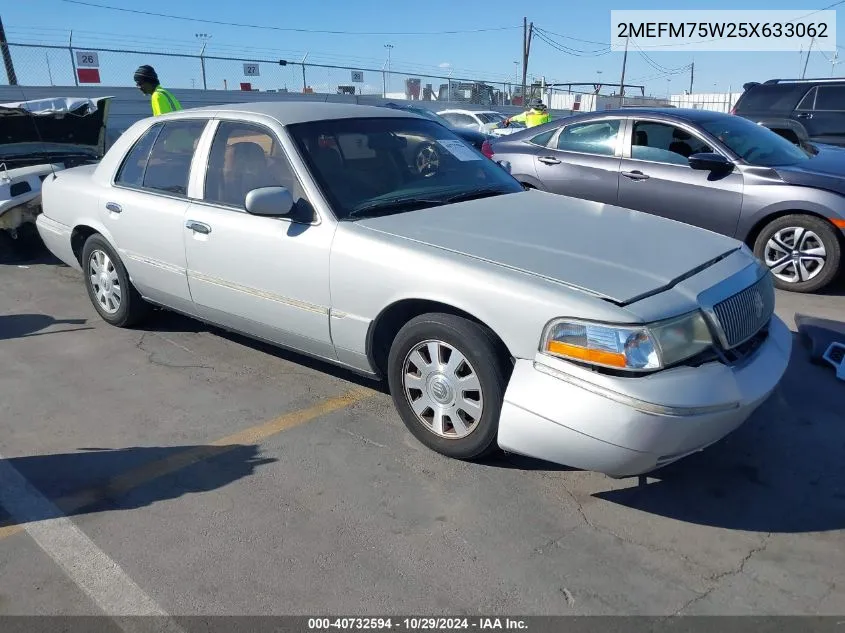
(145, 211)
(582, 161)
(268, 277)
(656, 178)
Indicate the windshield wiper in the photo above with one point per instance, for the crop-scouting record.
(391, 205)
(474, 194)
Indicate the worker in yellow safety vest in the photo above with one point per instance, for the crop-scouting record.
(537, 114)
(162, 100)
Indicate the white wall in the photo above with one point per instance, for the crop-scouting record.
(716, 101)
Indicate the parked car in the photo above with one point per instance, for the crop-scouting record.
(797, 109)
(475, 138)
(709, 169)
(487, 121)
(593, 336)
(39, 137)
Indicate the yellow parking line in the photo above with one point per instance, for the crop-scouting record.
(123, 483)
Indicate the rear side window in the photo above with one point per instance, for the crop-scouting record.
(830, 98)
(131, 172)
(544, 138)
(169, 166)
(771, 98)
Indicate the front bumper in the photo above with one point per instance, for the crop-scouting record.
(629, 426)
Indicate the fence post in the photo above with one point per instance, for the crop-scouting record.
(72, 59)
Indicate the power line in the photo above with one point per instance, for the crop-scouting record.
(545, 36)
(569, 51)
(287, 29)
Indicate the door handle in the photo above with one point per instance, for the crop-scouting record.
(198, 227)
(114, 207)
(635, 175)
(549, 160)
(805, 115)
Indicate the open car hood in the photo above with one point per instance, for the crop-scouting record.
(53, 125)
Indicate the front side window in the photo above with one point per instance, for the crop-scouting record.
(595, 137)
(169, 165)
(244, 157)
(389, 165)
(664, 143)
(755, 144)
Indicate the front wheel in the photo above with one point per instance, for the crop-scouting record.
(447, 382)
(802, 251)
(113, 295)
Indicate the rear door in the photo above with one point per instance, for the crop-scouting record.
(582, 160)
(822, 113)
(144, 210)
(656, 178)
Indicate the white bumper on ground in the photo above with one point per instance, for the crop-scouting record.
(629, 426)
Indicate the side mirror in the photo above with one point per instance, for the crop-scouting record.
(710, 162)
(504, 164)
(272, 202)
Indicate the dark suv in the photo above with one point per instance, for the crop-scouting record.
(800, 110)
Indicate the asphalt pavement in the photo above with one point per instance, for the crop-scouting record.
(177, 469)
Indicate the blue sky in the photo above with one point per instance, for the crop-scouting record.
(489, 54)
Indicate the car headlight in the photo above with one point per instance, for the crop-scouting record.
(629, 347)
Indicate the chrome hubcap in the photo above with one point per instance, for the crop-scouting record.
(443, 389)
(795, 254)
(104, 281)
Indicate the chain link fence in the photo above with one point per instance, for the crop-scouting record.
(56, 65)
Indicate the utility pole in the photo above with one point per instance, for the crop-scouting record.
(7, 57)
(527, 33)
(622, 80)
(807, 61)
(691, 76)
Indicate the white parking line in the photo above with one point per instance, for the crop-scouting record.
(91, 569)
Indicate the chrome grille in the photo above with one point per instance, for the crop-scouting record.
(744, 314)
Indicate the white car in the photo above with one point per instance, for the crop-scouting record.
(567, 330)
(487, 121)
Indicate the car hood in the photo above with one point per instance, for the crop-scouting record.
(53, 125)
(615, 253)
(825, 170)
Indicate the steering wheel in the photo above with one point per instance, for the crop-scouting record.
(427, 160)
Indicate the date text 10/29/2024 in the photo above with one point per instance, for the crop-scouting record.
(415, 624)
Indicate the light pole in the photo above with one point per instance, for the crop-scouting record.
(203, 37)
(389, 47)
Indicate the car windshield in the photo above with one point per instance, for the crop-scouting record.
(490, 117)
(395, 164)
(755, 144)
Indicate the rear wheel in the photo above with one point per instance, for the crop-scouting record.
(802, 251)
(113, 295)
(447, 382)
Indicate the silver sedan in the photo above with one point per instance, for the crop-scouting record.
(573, 331)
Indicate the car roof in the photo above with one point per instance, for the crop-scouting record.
(291, 112)
(677, 114)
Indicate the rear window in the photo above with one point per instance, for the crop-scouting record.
(771, 98)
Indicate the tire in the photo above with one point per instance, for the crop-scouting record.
(471, 436)
(811, 232)
(97, 254)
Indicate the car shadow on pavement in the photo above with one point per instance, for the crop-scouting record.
(783, 471)
(28, 249)
(167, 321)
(28, 325)
(100, 480)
